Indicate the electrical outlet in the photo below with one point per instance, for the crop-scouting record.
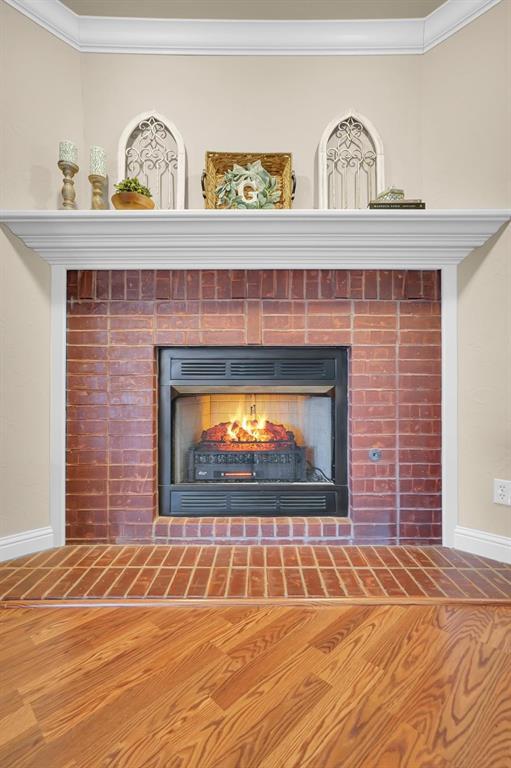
(502, 492)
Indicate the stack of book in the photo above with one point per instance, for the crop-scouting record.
(394, 199)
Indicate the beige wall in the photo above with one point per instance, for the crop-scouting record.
(431, 112)
(40, 103)
(466, 121)
(257, 104)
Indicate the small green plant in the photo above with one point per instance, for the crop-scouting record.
(133, 185)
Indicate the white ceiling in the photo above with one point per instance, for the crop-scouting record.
(260, 9)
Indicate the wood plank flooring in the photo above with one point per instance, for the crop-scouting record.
(263, 573)
(386, 686)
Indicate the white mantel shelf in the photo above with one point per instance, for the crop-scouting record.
(201, 239)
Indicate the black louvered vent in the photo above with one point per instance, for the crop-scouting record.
(200, 503)
(211, 503)
(270, 368)
(199, 369)
(257, 369)
(306, 369)
(248, 502)
(304, 503)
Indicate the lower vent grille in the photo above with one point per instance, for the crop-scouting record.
(234, 503)
(200, 503)
(312, 502)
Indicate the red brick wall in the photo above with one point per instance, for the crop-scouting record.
(391, 321)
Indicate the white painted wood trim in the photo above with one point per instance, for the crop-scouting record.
(53, 16)
(482, 543)
(450, 17)
(322, 149)
(181, 151)
(449, 293)
(207, 239)
(26, 543)
(103, 34)
(58, 405)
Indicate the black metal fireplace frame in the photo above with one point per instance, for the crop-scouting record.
(224, 367)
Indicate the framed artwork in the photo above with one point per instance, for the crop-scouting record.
(248, 180)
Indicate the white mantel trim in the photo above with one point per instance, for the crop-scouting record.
(58, 369)
(449, 317)
(274, 239)
(103, 34)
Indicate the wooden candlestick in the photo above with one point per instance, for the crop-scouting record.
(97, 183)
(68, 188)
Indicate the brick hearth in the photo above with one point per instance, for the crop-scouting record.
(391, 321)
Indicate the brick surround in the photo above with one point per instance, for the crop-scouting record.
(389, 319)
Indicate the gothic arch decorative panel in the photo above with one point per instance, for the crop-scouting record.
(350, 160)
(152, 149)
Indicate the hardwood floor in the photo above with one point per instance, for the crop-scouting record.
(387, 686)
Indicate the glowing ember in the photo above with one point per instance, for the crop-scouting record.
(259, 433)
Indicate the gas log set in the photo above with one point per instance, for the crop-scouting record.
(248, 448)
(237, 434)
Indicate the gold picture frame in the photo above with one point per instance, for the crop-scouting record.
(277, 164)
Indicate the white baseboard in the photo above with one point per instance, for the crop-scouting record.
(481, 543)
(26, 543)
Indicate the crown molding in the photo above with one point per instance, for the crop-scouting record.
(53, 16)
(450, 17)
(102, 34)
(302, 239)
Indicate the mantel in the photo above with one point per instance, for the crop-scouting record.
(201, 239)
(193, 239)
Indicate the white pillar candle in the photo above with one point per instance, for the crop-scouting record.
(68, 152)
(97, 161)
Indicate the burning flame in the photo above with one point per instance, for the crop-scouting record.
(249, 430)
(242, 430)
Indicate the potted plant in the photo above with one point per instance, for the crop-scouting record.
(132, 195)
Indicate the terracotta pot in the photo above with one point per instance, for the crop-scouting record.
(131, 201)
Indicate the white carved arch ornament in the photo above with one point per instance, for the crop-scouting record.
(152, 148)
(350, 163)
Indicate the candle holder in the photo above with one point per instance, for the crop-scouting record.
(98, 185)
(68, 188)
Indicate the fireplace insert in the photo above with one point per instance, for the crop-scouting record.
(252, 431)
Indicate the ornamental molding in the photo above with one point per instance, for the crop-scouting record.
(101, 34)
(265, 239)
(323, 154)
(155, 155)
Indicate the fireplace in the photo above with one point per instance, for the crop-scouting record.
(252, 431)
